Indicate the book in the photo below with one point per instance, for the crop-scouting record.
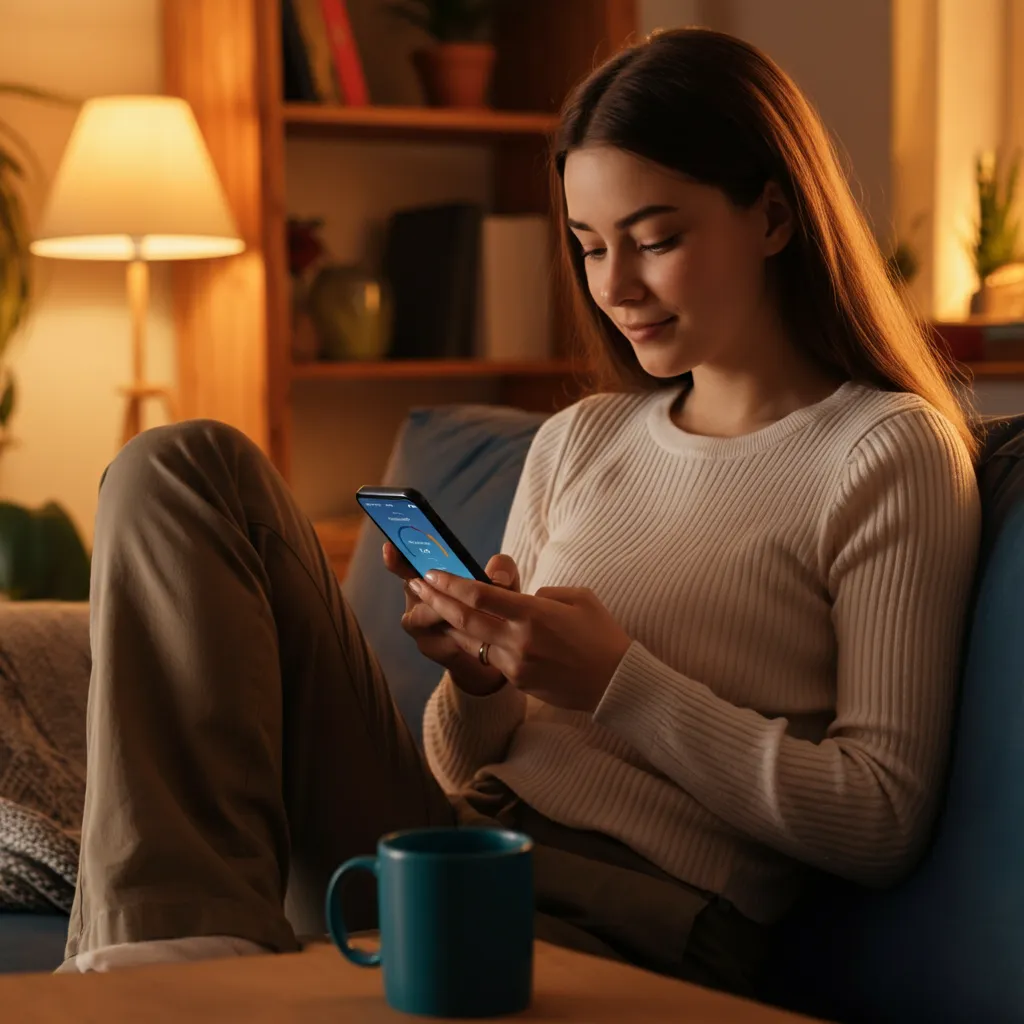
(515, 288)
(299, 86)
(979, 338)
(431, 263)
(348, 67)
(313, 30)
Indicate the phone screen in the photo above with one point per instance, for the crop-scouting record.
(413, 534)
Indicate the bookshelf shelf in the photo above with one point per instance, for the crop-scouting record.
(993, 370)
(416, 368)
(413, 123)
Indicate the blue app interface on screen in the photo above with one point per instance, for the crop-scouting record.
(411, 532)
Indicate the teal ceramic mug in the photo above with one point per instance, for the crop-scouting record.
(456, 920)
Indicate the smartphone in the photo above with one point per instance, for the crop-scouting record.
(405, 517)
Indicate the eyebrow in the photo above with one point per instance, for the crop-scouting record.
(627, 222)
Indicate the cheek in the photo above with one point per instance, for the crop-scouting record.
(595, 285)
(726, 271)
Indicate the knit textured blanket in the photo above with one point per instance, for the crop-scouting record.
(44, 678)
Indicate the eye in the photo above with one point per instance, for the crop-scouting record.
(593, 254)
(664, 246)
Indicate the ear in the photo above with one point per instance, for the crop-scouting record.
(778, 218)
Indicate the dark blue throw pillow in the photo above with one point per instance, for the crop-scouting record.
(466, 460)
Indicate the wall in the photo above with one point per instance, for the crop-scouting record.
(971, 92)
(75, 352)
(839, 54)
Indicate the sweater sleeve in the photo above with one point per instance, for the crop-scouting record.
(899, 549)
(463, 733)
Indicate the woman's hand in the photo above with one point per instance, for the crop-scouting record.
(433, 634)
(560, 645)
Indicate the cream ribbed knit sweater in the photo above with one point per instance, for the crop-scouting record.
(796, 600)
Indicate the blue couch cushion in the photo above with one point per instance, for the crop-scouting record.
(32, 942)
(466, 461)
(948, 944)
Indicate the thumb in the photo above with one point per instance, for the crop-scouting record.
(503, 571)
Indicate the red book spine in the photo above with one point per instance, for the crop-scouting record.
(964, 342)
(347, 64)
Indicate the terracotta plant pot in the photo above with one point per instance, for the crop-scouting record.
(456, 74)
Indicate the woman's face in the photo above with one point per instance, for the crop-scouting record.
(675, 265)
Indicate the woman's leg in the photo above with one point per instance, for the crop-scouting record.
(241, 737)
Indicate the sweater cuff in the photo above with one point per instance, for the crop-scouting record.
(634, 705)
(494, 713)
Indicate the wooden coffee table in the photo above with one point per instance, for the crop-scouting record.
(319, 985)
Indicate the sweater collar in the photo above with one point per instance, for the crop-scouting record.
(675, 439)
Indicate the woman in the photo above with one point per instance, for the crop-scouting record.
(723, 648)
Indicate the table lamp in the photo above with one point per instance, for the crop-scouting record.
(135, 184)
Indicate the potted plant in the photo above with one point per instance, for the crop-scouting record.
(41, 552)
(995, 239)
(456, 71)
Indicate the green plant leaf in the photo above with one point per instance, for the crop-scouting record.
(62, 555)
(448, 21)
(17, 552)
(31, 92)
(42, 556)
(415, 12)
(15, 261)
(7, 400)
(997, 230)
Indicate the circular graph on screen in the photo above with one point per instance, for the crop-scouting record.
(421, 544)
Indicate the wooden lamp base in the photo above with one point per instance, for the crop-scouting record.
(139, 392)
(137, 396)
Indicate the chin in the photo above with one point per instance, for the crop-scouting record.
(664, 366)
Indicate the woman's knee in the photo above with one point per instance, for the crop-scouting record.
(154, 458)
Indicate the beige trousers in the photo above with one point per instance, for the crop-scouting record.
(242, 741)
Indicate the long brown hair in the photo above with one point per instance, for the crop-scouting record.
(718, 110)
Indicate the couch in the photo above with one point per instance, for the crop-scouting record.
(947, 944)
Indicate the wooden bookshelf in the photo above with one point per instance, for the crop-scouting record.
(995, 370)
(406, 369)
(233, 317)
(413, 123)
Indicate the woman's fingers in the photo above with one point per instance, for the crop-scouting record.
(394, 562)
(421, 616)
(503, 571)
(462, 617)
(497, 657)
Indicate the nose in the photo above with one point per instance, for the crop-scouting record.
(620, 282)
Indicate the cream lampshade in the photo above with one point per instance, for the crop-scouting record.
(136, 183)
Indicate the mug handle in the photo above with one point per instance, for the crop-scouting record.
(332, 911)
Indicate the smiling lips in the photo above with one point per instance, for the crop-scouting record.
(646, 331)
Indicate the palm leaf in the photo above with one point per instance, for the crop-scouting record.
(16, 154)
(417, 15)
(447, 20)
(31, 92)
(7, 400)
(18, 144)
(996, 232)
(15, 266)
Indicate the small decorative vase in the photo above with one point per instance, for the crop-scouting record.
(456, 74)
(351, 313)
(305, 343)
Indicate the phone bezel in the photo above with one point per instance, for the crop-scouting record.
(410, 494)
